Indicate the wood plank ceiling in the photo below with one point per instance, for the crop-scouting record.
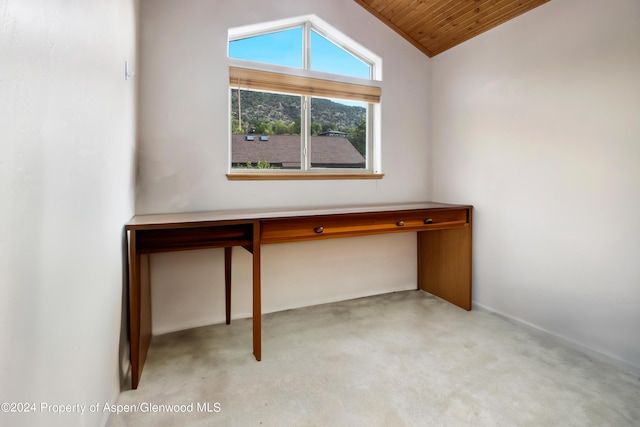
(434, 26)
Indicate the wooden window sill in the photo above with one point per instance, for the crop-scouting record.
(300, 176)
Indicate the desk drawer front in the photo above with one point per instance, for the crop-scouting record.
(346, 225)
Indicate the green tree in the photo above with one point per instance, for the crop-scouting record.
(316, 128)
(358, 136)
(261, 164)
(280, 128)
(327, 126)
(263, 127)
(295, 127)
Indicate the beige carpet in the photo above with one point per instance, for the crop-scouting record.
(400, 359)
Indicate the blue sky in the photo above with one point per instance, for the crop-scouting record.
(285, 48)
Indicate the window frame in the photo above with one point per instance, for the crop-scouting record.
(307, 83)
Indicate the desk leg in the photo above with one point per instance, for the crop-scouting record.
(134, 311)
(139, 314)
(257, 308)
(227, 282)
(139, 309)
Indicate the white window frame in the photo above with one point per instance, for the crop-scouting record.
(308, 23)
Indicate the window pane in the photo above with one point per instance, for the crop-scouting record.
(265, 130)
(281, 48)
(329, 58)
(338, 134)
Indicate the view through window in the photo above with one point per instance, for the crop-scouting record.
(294, 121)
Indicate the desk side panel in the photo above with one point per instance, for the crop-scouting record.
(444, 264)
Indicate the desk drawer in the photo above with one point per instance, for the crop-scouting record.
(291, 229)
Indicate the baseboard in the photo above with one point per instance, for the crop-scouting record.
(595, 354)
(338, 298)
(239, 315)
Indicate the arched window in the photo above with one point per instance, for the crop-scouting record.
(309, 93)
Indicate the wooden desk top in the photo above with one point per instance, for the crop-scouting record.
(139, 222)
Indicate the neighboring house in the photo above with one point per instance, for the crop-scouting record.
(333, 133)
(283, 151)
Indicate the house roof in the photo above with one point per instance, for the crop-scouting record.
(285, 149)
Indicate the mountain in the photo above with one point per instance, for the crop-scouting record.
(270, 108)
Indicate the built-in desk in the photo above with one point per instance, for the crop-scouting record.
(444, 250)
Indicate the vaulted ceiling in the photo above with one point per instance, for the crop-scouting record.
(434, 26)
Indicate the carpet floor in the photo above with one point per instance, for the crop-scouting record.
(399, 359)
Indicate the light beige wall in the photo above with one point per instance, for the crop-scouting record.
(537, 124)
(67, 147)
(183, 161)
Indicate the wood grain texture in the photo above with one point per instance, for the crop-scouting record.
(444, 265)
(434, 26)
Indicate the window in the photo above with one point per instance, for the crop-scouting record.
(303, 101)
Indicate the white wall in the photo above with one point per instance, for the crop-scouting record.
(537, 123)
(183, 161)
(67, 154)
